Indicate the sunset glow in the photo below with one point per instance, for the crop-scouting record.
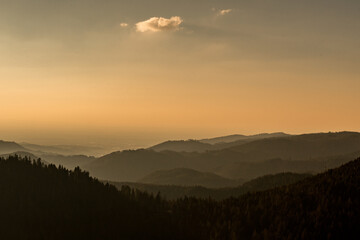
(91, 74)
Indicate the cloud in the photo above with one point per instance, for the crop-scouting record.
(124, 25)
(224, 12)
(159, 24)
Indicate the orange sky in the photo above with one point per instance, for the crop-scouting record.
(83, 78)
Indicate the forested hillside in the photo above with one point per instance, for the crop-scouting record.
(40, 201)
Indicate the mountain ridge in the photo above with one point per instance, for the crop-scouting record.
(237, 137)
(182, 146)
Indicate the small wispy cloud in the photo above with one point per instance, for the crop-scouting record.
(124, 25)
(223, 12)
(159, 24)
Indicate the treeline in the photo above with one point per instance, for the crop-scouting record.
(40, 201)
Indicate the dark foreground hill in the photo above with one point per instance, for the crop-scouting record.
(40, 201)
(326, 206)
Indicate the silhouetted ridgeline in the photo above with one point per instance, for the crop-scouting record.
(40, 201)
(238, 137)
(212, 143)
(182, 146)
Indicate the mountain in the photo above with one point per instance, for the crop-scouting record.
(188, 177)
(10, 147)
(172, 192)
(182, 146)
(238, 137)
(212, 143)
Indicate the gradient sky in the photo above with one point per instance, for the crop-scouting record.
(82, 71)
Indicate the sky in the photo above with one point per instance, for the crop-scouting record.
(135, 72)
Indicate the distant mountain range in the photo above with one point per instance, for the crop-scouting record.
(300, 147)
(211, 143)
(308, 153)
(227, 158)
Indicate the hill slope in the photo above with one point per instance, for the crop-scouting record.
(44, 202)
(10, 147)
(188, 177)
(325, 206)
